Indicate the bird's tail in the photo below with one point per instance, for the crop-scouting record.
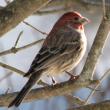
(32, 80)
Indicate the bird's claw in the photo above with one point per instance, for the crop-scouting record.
(72, 77)
(40, 82)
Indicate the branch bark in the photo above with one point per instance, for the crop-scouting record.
(14, 50)
(105, 105)
(11, 68)
(17, 11)
(45, 92)
(97, 47)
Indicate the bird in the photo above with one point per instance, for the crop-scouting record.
(62, 50)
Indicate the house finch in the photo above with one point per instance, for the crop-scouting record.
(62, 50)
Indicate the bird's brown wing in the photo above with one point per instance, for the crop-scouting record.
(47, 54)
(42, 57)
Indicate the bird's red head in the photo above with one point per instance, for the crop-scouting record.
(75, 19)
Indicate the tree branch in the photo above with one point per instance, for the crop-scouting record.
(11, 68)
(94, 90)
(17, 49)
(44, 33)
(46, 92)
(97, 47)
(105, 105)
(17, 11)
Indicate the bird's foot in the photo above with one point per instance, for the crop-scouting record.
(40, 82)
(53, 81)
(72, 77)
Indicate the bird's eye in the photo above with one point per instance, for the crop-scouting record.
(76, 18)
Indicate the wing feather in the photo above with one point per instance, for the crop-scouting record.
(47, 55)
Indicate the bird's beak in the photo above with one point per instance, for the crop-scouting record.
(84, 21)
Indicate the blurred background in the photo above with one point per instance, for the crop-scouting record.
(92, 9)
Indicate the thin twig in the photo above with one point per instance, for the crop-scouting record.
(11, 68)
(7, 91)
(15, 50)
(104, 105)
(52, 11)
(7, 2)
(101, 79)
(97, 90)
(74, 100)
(104, 10)
(44, 33)
(29, 45)
(18, 38)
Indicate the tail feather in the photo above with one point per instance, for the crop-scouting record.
(16, 102)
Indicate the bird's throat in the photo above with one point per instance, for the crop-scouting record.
(78, 26)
